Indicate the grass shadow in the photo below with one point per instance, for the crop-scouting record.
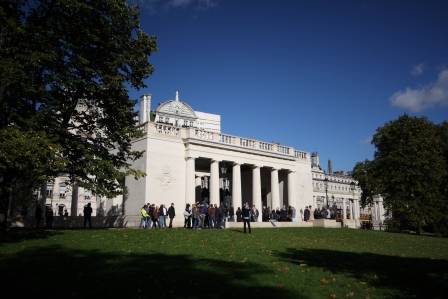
(21, 234)
(53, 272)
(407, 277)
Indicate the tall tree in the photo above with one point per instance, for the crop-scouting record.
(363, 173)
(65, 70)
(409, 169)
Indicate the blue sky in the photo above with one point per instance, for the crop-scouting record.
(317, 75)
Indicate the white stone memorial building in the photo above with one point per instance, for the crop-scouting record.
(188, 159)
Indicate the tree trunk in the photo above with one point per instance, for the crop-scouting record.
(9, 208)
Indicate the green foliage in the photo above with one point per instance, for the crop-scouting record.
(362, 173)
(409, 170)
(27, 160)
(65, 70)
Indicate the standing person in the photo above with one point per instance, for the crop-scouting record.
(301, 214)
(293, 214)
(148, 213)
(311, 213)
(231, 214)
(221, 216)
(49, 216)
(306, 214)
(202, 212)
(239, 217)
(187, 216)
(196, 219)
(254, 214)
(38, 214)
(162, 216)
(212, 216)
(88, 215)
(283, 214)
(171, 214)
(264, 214)
(155, 217)
(246, 216)
(144, 214)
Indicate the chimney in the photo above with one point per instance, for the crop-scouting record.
(315, 159)
(145, 108)
(330, 167)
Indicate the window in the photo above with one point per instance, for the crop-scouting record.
(49, 189)
(87, 194)
(62, 190)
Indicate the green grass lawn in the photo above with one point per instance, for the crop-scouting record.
(269, 263)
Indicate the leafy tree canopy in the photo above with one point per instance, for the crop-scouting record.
(409, 170)
(65, 70)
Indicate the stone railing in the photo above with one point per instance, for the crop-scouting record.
(195, 133)
(162, 129)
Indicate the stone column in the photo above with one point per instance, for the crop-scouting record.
(292, 200)
(344, 210)
(236, 186)
(350, 205)
(256, 189)
(381, 210)
(275, 190)
(376, 206)
(214, 182)
(357, 207)
(190, 183)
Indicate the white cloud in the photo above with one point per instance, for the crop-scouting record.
(154, 6)
(417, 99)
(180, 3)
(418, 69)
(198, 4)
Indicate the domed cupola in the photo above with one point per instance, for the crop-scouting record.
(175, 112)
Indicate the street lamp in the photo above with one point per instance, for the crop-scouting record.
(353, 188)
(326, 191)
(223, 170)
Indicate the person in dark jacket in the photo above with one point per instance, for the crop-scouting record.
(246, 216)
(88, 215)
(38, 215)
(187, 216)
(49, 216)
(238, 213)
(171, 214)
(306, 214)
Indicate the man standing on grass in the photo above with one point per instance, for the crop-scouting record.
(171, 214)
(88, 215)
(246, 216)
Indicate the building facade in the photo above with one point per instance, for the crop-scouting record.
(187, 159)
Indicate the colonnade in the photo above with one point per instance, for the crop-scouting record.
(352, 204)
(353, 207)
(237, 200)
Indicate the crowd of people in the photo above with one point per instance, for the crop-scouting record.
(202, 215)
(310, 214)
(156, 216)
(285, 214)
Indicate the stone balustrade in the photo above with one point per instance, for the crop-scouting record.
(195, 133)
